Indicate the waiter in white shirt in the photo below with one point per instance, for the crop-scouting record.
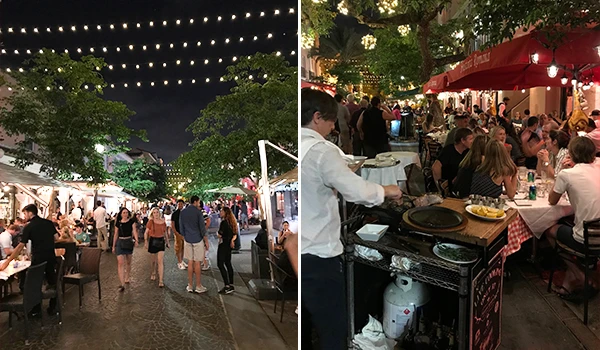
(324, 170)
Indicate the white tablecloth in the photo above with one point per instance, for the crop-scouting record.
(11, 270)
(540, 216)
(393, 174)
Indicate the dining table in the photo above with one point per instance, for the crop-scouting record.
(392, 174)
(533, 219)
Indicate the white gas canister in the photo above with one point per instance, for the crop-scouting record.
(400, 301)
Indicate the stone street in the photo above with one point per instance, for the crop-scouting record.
(148, 317)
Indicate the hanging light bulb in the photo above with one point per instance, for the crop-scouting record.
(124, 65)
(220, 60)
(178, 22)
(178, 62)
(212, 42)
(574, 81)
(151, 24)
(184, 44)
(171, 45)
(139, 84)
(152, 83)
(150, 64)
(191, 63)
(208, 80)
(233, 17)
(60, 29)
(193, 81)
(523, 91)
(191, 21)
(269, 35)
(198, 43)
(164, 65)
(112, 26)
(138, 25)
(262, 14)
(248, 15)
(219, 19)
(291, 10)
(166, 82)
(535, 58)
(137, 66)
(206, 61)
(564, 79)
(130, 47)
(158, 46)
(165, 23)
(255, 38)
(548, 88)
(99, 27)
(124, 25)
(73, 28)
(125, 85)
(552, 69)
(104, 49)
(144, 47)
(110, 66)
(118, 49)
(23, 31)
(597, 49)
(276, 12)
(35, 30)
(179, 82)
(227, 41)
(205, 19)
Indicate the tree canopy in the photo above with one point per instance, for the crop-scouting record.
(262, 105)
(56, 104)
(142, 179)
(411, 45)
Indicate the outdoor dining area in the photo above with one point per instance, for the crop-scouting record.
(429, 270)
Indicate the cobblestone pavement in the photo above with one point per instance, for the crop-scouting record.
(142, 317)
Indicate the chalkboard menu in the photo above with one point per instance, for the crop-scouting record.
(486, 308)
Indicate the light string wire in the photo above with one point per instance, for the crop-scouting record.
(149, 47)
(139, 25)
(165, 64)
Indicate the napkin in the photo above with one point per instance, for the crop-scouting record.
(372, 337)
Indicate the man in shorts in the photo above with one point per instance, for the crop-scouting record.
(193, 230)
(179, 242)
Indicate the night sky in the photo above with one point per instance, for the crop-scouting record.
(163, 111)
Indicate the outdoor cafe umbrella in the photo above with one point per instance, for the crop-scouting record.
(234, 190)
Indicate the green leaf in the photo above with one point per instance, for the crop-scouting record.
(51, 108)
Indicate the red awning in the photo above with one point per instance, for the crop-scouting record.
(436, 84)
(508, 67)
(318, 86)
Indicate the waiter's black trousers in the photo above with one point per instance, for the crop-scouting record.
(324, 302)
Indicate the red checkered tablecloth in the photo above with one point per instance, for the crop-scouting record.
(518, 232)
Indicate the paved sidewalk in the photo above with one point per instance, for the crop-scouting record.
(148, 317)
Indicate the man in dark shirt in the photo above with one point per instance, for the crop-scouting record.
(372, 127)
(41, 233)
(446, 165)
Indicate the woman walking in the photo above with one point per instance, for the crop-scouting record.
(155, 239)
(228, 233)
(126, 238)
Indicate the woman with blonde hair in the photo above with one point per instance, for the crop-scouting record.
(155, 239)
(497, 169)
(499, 133)
(66, 235)
(473, 159)
(228, 233)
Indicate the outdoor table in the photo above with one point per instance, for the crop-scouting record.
(469, 281)
(392, 175)
(439, 136)
(534, 220)
(11, 270)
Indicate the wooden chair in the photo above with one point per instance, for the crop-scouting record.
(433, 149)
(89, 271)
(281, 284)
(588, 258)
(32, 296)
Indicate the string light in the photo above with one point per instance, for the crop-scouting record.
(191, 21)
(191, 63)
(151, 24)
(233, 17)
(262, 14)
(205, 19)
(35, 30)
(178, 22)
(156, 45)
(276, 12)
(112, 26)
(138, 25)
(248, 15)
(164, 23)
(219, 19)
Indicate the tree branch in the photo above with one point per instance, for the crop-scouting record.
(442, 61)
(433, 14)
(398, 20)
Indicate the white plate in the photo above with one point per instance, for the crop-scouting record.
(380, 164)
(506, 207)
(372, 232)
(436, 251)
(468, 209)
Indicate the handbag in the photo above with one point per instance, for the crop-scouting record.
(127, 243)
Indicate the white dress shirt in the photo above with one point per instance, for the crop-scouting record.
(100, 217)
(323, 170)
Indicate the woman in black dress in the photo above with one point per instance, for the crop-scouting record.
(126, 237)
(227, 236)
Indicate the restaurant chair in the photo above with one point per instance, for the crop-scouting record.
(588, 258)
(70, 262)
(283, 284)
(433, 149)
(89, 271)
(430, 186)
(56, 292)
(32, 296)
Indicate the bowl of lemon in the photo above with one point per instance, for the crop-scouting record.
(486, 213)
